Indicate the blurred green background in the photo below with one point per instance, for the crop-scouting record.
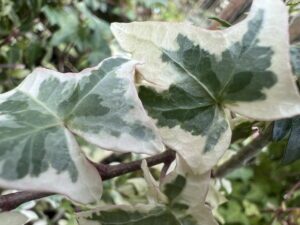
(68, 36)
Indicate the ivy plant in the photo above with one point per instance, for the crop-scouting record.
(178, 91)
(40, 117)
(192, 76)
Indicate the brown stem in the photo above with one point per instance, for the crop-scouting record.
(12, 201)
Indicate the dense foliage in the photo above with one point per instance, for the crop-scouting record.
(101, 107)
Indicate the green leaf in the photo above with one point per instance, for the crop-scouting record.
(128, 215)
(292, 152)
(67, 20)
(174, 189)
(281, 129)
(192, 75)
(78, 26)
(38, 119)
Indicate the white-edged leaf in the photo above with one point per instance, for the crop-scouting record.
(12, 218)
(191, 75)
(155, 193)
(38, 118)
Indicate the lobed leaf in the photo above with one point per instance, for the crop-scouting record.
(39, 118)
(191, 75)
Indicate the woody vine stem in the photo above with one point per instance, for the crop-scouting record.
(12, 201)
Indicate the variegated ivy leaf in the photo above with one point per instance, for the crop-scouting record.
(38, 118)
(191, 75)
(128, 215)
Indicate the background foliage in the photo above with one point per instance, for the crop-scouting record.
(70, 35)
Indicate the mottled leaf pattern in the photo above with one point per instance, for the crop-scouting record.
(181, 190)
(191, 76)
(38, 150)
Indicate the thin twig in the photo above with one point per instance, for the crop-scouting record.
(291, 192)
(12, 201)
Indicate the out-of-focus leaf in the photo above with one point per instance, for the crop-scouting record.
(67, 20)
(150, 3)
(78, 26)
(281, 129)
(292, 152)
(243, 174)
(242, 131)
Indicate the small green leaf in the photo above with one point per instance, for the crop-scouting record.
(175, 188)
